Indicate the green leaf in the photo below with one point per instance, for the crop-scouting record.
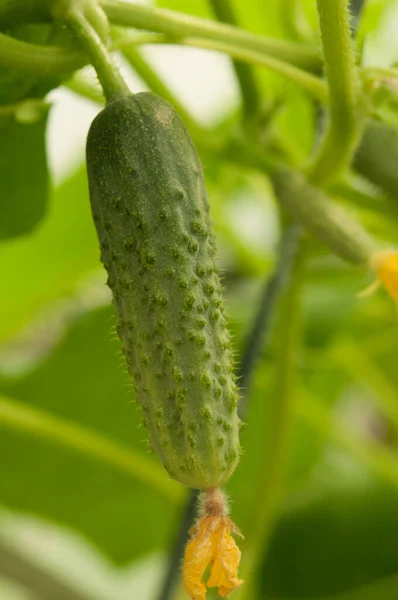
(23, 166)
(83, 382)
(341, 534)
(23, 176)
(52, 262)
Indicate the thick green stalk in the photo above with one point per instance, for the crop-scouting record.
(268, 492)
(33, 421)
(110, 78)
(179, 25)
(345, 97)
(251, 96)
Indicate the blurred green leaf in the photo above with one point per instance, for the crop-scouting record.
(23, 176)
(342, 533)
(83, 382)
(50, 263)
(23, 166)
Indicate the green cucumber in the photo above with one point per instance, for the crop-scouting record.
(377, 156)
(151, 213)
(321, 216)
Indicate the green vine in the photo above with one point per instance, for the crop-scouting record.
(345, 97)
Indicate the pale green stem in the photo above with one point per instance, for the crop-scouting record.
(268, 492)
(179, 25)
(33, 421)
(176, 25)
(108, 73)
(345, 96)
(312, 84)
(53, 61)
(251, 95)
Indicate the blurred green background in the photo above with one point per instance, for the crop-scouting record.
(106, 531)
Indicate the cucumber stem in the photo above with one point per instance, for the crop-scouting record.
(251, 96)
(109, 76)
(345, 94)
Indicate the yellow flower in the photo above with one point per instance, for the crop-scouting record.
(211, 544)
(386, 266)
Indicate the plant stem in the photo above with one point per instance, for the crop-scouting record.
(259, 334)
(345, 97)
(311, 83)
(141, 66)
(179, 25)
(268, 491)
(53, 61)
(251, 95)
(110, 78)
(41, 583)
(35, 59)
(44, 425)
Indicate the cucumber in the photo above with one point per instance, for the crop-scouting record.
(377, 156)
(321, 216)
(151, 213)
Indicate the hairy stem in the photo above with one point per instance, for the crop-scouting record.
(110, 78)
(345, 97)
(251, 96)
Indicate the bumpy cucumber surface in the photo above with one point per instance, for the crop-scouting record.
(377, 156)
(150, 209)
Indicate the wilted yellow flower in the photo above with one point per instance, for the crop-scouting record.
(211, 544)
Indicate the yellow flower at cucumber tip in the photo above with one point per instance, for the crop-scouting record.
(385, 265)
(211, 544)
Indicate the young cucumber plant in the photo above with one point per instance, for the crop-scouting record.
(150, 209)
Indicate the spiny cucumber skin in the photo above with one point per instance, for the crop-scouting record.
(150, 209)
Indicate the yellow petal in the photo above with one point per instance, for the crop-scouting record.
(198, 554)
(386, 267)
(226, 557)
